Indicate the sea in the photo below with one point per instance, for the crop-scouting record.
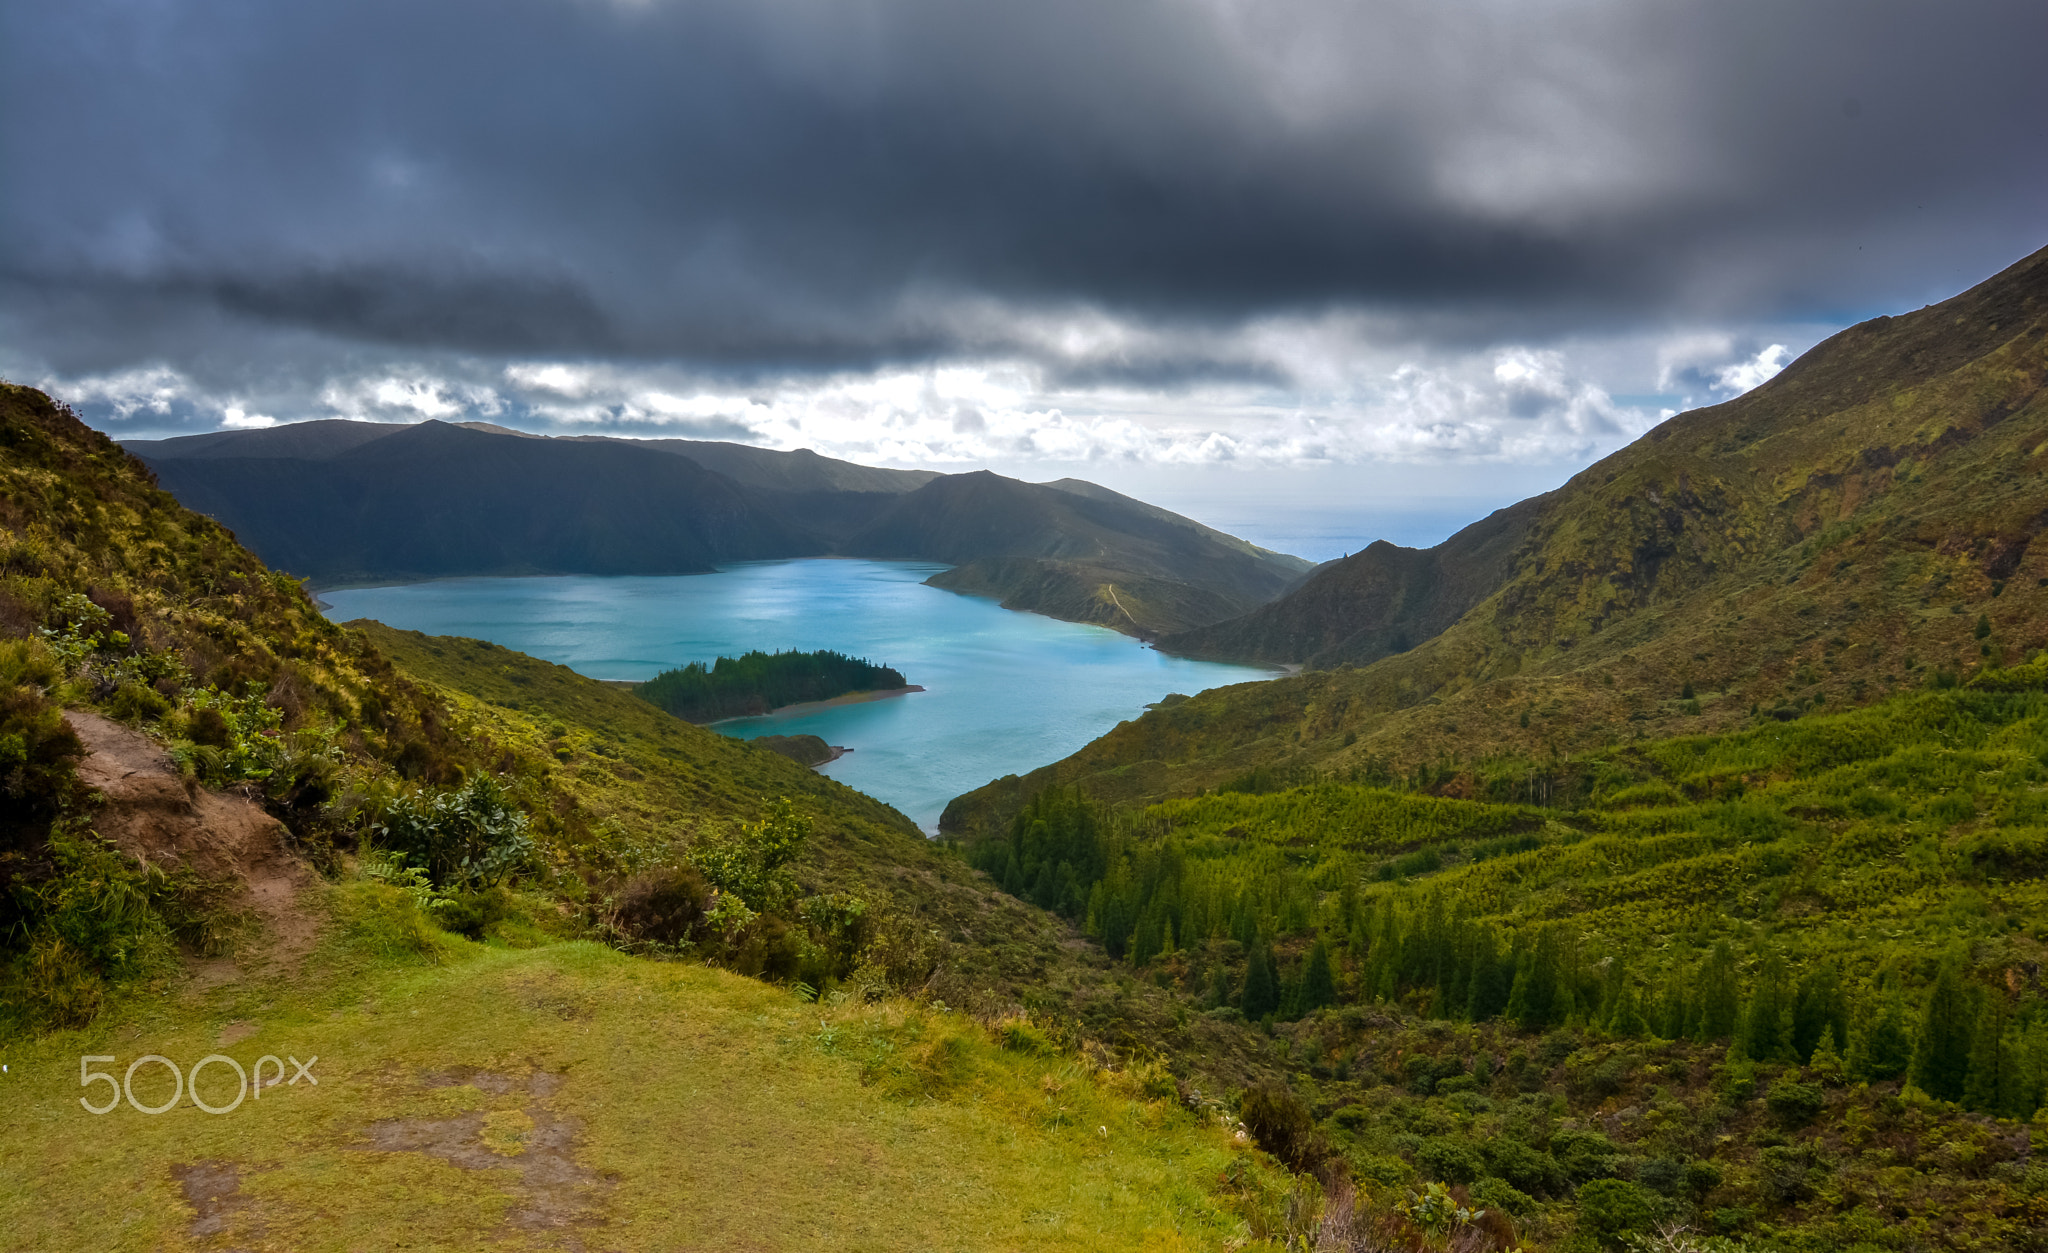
(1004, 692)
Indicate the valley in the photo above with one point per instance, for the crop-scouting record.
(1656, 864)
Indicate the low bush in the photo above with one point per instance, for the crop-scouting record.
(471, 837)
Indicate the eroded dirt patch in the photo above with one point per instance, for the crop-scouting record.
(158, 817)
(554, 1191)
(213, 1190)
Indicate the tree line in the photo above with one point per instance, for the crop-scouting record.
(1251, 931)
(758, 682)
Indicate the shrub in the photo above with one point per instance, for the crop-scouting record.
(1610, 1209)
(472, 837)
(751, 861)
(1585, 1155)
(1494, 1192)
(1529, 1169)
(87, 917)
(1448, 1159)
(471, 914)
(38, 750)
(1795, 1104)
(663, 907)
(1280, 1122)
(1660, 1174)
(1782, 1170)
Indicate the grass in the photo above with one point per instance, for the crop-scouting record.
(525, 1097)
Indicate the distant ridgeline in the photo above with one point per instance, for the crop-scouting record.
(738, 687)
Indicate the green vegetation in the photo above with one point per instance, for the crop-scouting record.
(1794, 959)
(739, 687)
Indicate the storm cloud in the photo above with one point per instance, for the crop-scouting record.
(289, 205)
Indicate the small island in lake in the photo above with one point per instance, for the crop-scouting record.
(759, 683)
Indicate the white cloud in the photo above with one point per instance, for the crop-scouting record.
(1755, 372)
(1714, 364)
(236, 420)
(1343, 387)
(150, 389)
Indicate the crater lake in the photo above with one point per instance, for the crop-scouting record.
(1005, 692)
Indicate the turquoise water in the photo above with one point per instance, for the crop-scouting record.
(1004, 692)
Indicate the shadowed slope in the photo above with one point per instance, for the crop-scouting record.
(358, 502)
(433, 500)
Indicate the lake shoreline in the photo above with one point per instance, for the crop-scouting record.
(804, 709)
(1005, 692)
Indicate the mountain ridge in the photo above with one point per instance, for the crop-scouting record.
(341, 502)
(1837, 533)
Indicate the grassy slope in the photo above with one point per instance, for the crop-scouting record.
(631, 775)
(688, 1108)
(1826, 537)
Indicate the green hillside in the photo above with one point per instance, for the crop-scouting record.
(1862, 521)
(1782, 984)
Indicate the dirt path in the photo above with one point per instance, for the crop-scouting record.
(156, 816)
(1120, 605)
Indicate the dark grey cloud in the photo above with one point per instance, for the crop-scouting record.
(815, 183)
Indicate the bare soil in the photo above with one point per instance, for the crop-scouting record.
(160, 818)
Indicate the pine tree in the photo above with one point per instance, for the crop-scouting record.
(2033, 1081)
(1826, 1063)
(1993, 1085)
(1674, 1014)
(1261, 995)
(1884, 1049)
(1941, 1053)
(1766, 1020)
(1487, 994)
(1720, 1005)
(1219, 987)
(1625, 1020)
(1818, 1006)
(1613, 979)
(1532, 1001)
(1318, 983)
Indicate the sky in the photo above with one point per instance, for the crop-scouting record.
(1299, 267)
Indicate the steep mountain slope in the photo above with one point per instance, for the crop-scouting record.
(1865, 518)
(1091, 556)
(1381, 600)
(434, 499)
(357, 502)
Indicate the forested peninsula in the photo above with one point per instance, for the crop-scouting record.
(740, 687)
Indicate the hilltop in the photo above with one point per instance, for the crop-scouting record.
(1863, 521)
(357, 502)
